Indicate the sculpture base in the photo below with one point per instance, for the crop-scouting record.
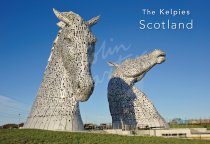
(61, 123)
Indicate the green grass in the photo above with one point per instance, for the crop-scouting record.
(26, 136)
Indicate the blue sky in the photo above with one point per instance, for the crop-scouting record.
(178, 88)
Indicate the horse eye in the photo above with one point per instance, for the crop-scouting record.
(68, 40)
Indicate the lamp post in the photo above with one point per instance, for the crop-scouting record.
(19, 121)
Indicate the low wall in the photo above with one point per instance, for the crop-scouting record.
(198, 130)
(201, 133)
(118, 131)
(165, 132)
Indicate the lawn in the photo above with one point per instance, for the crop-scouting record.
(26, 136)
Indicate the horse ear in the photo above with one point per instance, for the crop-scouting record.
(61, 16)
(61, 24)
(112, 64)
(93, 21)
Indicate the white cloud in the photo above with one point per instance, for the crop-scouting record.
(12, 111)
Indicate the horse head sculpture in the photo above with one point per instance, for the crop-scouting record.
(67, 78)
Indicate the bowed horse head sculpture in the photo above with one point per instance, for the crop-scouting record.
(67, 78)
(77, 51)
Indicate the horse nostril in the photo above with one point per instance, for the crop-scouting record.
(78, 86)
(92, 88)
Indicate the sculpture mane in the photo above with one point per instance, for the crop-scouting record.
(67, 78)
(129, 107)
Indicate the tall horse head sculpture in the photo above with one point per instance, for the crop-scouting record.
(67, 78)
